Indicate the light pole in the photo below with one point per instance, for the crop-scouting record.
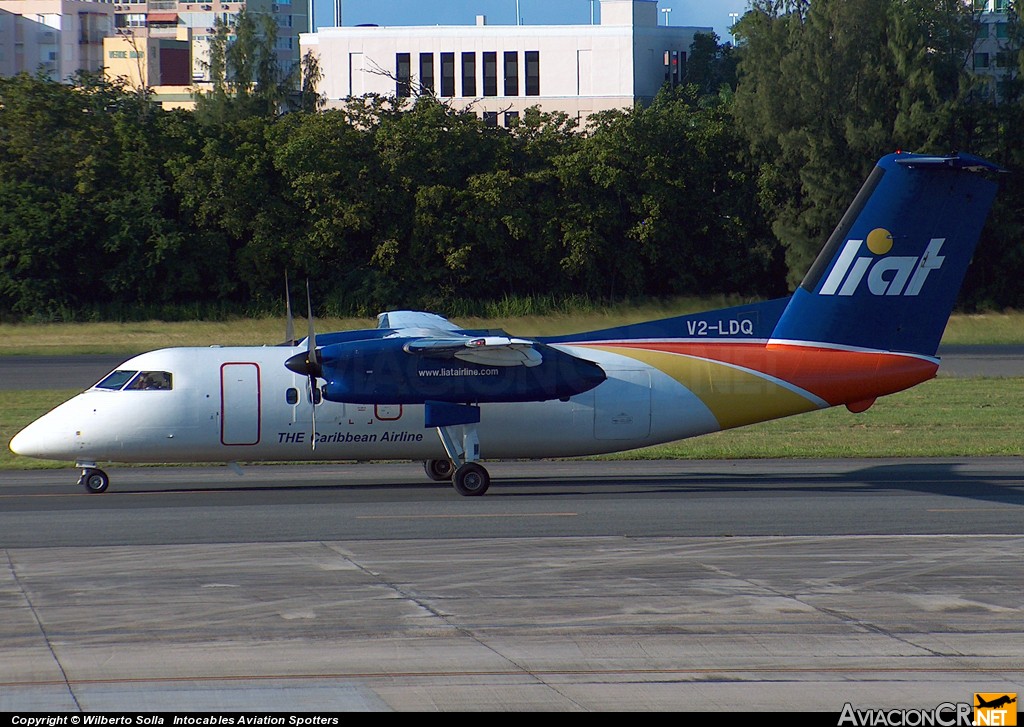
(591, 12)
(666, 11)
(518, 20)
(733, 19)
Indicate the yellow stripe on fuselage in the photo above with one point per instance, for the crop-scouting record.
(734, 396)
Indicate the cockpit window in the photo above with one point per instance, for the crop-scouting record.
(116, 380)
(150, 380)
(136, 380)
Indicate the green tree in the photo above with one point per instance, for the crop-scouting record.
(654, 204)
(816, 100)
(245, 74)
(710, 65)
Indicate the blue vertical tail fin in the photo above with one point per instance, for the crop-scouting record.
(889, 275)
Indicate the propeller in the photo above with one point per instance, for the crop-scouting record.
(309, 362)
(289, 326)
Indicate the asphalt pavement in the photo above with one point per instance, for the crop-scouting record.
(587, 586)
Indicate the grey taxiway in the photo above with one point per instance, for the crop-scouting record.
(708, 586)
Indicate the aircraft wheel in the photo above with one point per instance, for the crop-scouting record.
(439, 470)
(94, 480)
(471, 480)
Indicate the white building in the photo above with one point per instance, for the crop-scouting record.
(994, 59)
(500, 70)
(58, 37)
(7, 22)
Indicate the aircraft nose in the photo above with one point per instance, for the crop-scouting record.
(29, 442)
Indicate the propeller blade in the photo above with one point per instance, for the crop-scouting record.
(310, 362)
(289, 326)
(313, 363)
(312, 399)
(314, 355)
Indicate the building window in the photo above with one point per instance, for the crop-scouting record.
(674, 62)
(426, 74)
(491, 118)
(403, 82)
(511, 119)
(532, 73)
(511, 73)
(469, 74)
(490, 73)
(447, 75)
(1002, 30)
(981, 60)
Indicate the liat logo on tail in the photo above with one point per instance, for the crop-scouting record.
(885, 274)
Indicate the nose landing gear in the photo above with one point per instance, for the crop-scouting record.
(94, 480)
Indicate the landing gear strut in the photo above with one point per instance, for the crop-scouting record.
(94, 480)
(456, 425)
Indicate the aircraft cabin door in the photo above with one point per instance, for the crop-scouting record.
(239, 404)
(622, 406)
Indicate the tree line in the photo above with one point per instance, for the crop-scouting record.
(113, 208)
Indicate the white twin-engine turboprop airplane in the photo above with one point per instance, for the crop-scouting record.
(865, 322)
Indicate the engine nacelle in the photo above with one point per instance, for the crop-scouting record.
(383, 372)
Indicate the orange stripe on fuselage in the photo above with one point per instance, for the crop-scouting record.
(838, 377)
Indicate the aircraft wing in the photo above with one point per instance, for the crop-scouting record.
(398, 319)
(485, 350)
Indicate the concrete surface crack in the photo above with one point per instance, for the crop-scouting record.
(42, 629)
(445, 618)
(831, 613)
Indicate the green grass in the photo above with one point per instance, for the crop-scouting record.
(129, 338)
(941, 418)
(984, 328)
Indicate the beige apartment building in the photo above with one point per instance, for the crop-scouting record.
(56, 37)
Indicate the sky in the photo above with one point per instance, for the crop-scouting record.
(703, 13)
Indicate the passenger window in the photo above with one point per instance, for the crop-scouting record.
(292, 396)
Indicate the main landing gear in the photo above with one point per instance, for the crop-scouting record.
(456, 425)
(439, 470)
(93, 479)
(471, 479)
(468, 479)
